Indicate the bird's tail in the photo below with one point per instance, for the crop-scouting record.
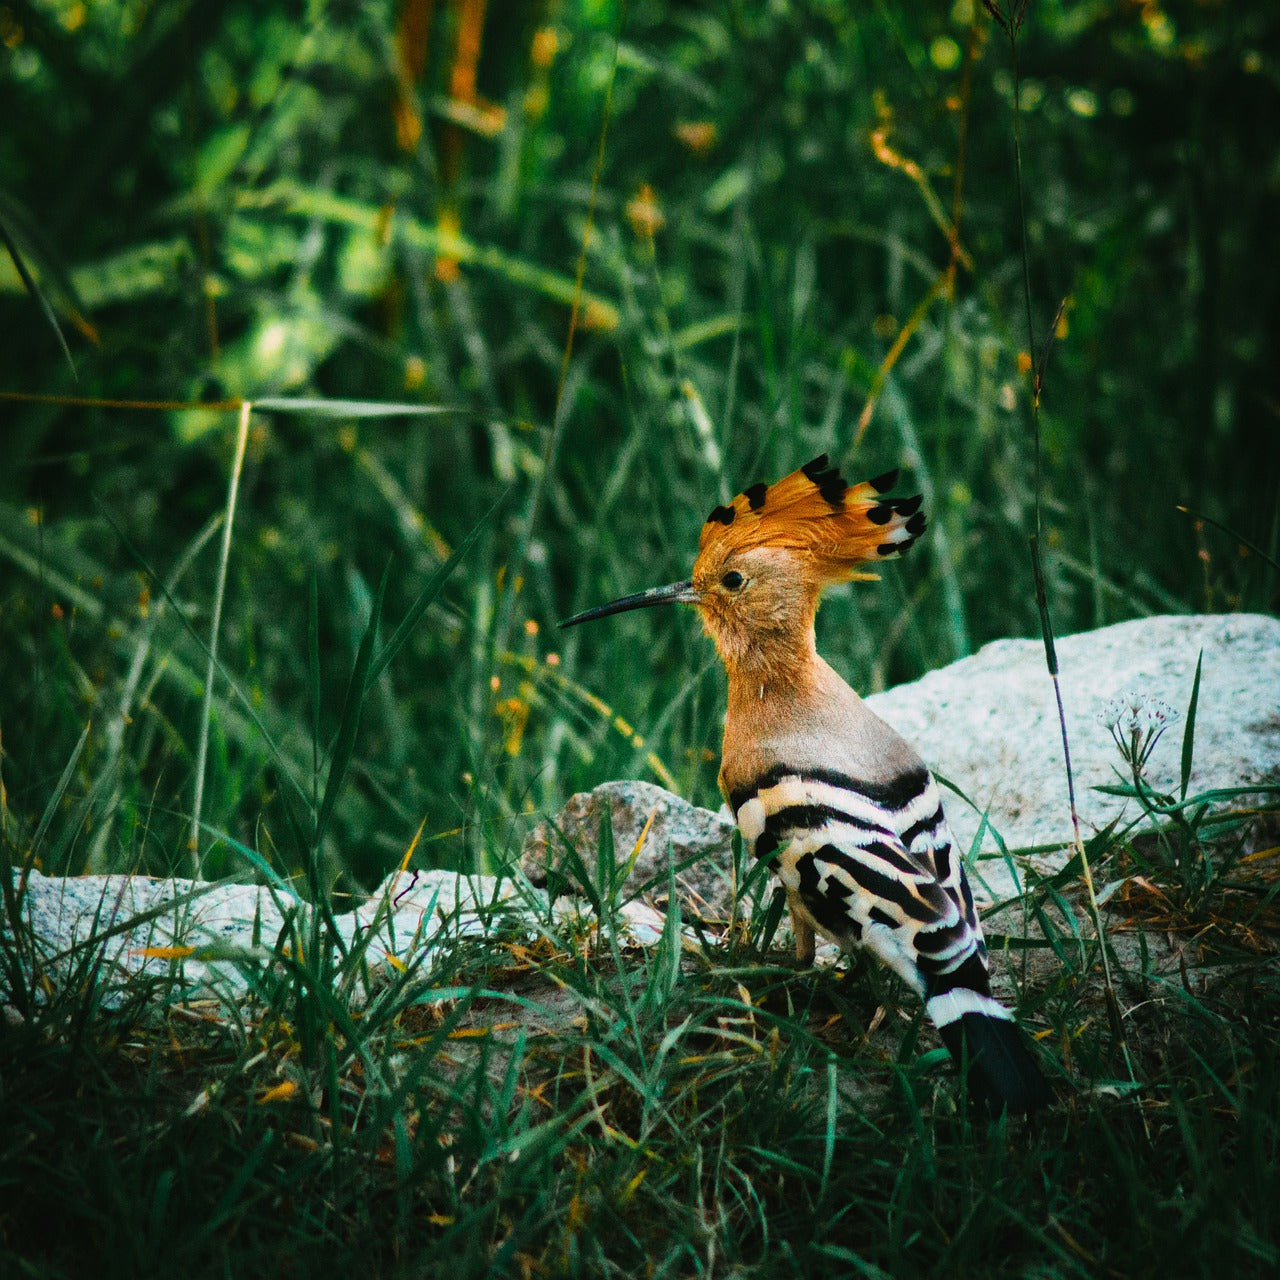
(981, 1035)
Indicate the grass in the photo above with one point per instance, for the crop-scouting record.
(803, 240)
(554, 1100)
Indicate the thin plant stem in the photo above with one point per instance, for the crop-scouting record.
(206, 706)
(1042, 600)
(1240, 538)
(115, 731)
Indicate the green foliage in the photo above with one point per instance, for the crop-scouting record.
(282, 204)
(553, 1100)
(781, 229)
(1193, 845)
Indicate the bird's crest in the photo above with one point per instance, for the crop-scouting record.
(836, 526)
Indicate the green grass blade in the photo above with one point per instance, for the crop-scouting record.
(1189, 733)
(33, 288)
(353, 704)
(426, 597)
(215, 626)
(324, 408)
(313, 687)
(58, 792)
(241, 1184)
(829, 1129)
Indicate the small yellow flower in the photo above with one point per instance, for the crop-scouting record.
(546, 44)
(698, 135)
(448, 227)
(643, 213)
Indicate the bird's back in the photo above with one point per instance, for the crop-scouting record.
(853, 823)
(819, 783)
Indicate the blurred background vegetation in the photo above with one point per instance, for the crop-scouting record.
(797, 231)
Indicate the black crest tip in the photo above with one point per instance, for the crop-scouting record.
(830, 482)
(882, 484)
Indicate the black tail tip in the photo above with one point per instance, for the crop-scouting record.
(1002, 1074)
(996, 1096)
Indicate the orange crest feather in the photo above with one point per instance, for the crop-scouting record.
(813, 511)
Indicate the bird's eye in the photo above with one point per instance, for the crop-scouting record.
(732, 580)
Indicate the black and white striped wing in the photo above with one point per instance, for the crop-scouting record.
(872, 864)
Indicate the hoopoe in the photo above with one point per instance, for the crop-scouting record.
(845, 811)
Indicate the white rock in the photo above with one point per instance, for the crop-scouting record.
(989, 723)
(668, 825)
(133, 926)
(424, 904)
(135, 918)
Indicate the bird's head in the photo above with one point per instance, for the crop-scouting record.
(764, 559)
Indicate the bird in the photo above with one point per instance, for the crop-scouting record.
(842, 808)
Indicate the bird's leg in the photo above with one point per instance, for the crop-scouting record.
(802, 929)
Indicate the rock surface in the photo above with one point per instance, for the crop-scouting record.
(139, 921)
(659, 823)
(989, 723)
(213, 936)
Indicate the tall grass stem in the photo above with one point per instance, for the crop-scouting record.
(1035, 374)
(224, 557)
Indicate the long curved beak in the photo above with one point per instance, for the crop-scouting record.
(676, 593)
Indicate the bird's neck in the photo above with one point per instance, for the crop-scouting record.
(768, 650)
(784, 666)
(802, 715)
(789, 707)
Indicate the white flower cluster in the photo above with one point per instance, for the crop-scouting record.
(1136, 721)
